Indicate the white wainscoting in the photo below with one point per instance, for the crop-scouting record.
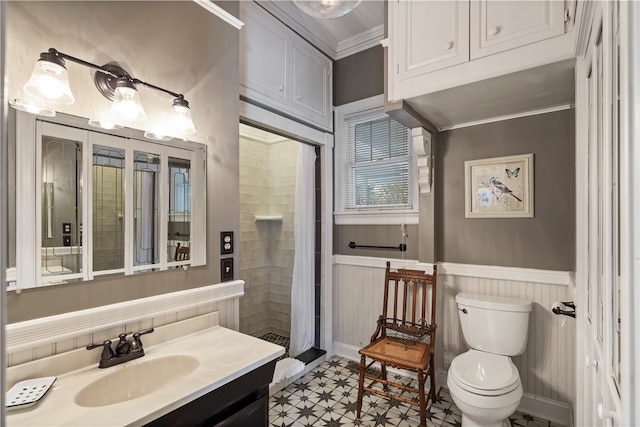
(546, 368)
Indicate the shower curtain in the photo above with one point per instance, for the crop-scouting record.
(302, 288)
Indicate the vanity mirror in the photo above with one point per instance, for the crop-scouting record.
(91, 203)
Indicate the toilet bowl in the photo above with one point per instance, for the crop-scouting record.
(484, 383)
(485, 387)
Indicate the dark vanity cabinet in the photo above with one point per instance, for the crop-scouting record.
(244, 402)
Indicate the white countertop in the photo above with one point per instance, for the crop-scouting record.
(224, 355)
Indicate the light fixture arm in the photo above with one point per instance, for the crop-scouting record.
(101, 68)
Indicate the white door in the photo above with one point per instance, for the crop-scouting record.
(604, 248)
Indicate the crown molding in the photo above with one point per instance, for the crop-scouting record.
(220, 13)
(360, 42)
(288, 14)
(291, 16)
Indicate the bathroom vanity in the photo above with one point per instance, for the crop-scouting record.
(214, 377)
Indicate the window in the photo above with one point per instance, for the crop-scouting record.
(374, 166)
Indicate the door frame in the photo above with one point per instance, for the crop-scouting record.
(270, 121)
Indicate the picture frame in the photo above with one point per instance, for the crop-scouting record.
(499, 187)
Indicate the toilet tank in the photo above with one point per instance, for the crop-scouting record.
(494, 324)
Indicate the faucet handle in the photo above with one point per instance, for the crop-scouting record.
(124, 345)
(107, 352)
(136, 337)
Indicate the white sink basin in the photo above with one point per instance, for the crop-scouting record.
(130, 381)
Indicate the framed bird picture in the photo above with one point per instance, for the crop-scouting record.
(499, 187)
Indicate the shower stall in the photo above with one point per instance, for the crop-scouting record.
(268, 178)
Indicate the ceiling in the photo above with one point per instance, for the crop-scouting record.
(358, 30)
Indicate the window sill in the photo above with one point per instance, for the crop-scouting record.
(376, 218)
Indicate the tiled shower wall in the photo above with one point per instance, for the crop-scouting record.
(267, 187)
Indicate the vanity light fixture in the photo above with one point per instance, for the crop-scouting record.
(49, 84)
(326, 9)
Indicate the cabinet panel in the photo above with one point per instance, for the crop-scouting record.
(282, 71)
(263, 66)
(310, 81)
(500, 25)
(430, 35)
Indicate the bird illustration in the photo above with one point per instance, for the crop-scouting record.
(499, 189)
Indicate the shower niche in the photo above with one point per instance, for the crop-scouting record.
(110, 203)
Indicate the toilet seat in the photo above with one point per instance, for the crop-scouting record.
(484, 373)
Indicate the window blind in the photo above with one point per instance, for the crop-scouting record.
(379, 166)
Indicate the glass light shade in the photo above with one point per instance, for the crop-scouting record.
(327, 9)
(180, 121)
(50, 81)
(105, 123)
(157, 135)
(32, 107)
(126, 102)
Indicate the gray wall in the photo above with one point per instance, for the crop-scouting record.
(177, 45)
(358, 76)
(545, 241)
(376, 235)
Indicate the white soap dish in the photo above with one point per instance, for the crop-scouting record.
(28, 392)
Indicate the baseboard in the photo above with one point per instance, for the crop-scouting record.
(547, 409)
(540, 407)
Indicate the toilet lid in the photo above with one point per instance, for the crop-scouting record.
(484, 373)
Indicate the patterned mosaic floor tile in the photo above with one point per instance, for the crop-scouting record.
(326, 397)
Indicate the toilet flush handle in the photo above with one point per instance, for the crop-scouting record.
(464, 310)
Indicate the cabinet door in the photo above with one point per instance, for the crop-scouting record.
(311, 84)
(498, 25)
(428, 35)
(263, 57)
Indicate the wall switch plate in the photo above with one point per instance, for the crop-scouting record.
(66, 240)
(226, 269)
(226, 242)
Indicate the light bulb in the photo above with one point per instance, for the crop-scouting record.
(126, 102)
(50, 80)
(180, 120)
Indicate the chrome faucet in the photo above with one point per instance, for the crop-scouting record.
(125, 349)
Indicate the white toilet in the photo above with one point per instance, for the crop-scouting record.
(484, 383)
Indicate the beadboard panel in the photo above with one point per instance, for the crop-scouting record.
(546, 367)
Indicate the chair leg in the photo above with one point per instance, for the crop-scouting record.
(383, 370)
(363, 366)
(433, 391)
(423, 403)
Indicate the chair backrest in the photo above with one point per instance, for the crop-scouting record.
(409, 306)
(182, 253)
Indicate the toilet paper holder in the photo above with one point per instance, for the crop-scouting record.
(560, 308)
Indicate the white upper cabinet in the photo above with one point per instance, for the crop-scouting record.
(430, 35)
(437, 45)
(282, 71)
(264, 59)
(500, 25)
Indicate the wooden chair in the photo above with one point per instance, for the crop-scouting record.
(182, 253)
(403, 339)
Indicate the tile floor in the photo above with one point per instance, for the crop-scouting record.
(326, 397)
(279, 340)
